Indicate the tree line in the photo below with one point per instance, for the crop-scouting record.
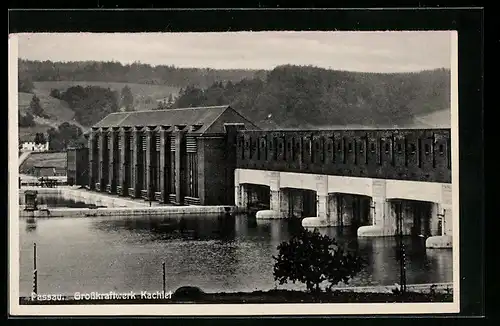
(130, 73)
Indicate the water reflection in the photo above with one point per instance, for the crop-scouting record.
(216, 253)
(53, 201)
(158, 228)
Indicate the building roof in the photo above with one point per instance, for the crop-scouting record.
(205, 118)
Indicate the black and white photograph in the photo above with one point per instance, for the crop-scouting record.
(233, 173)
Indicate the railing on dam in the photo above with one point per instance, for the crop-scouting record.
(404, 154)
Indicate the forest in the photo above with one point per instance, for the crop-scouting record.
(295, 96)
(288, 96)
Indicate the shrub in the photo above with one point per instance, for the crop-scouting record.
(312, 258)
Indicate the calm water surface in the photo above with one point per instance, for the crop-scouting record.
(214, 253)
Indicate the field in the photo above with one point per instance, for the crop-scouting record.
(56, 109)
(145, 96)
(48, 159)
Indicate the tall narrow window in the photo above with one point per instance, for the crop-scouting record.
(355, 152)
(405, 153)
(419, 156)
(110, 167)
(172, 165)
(344, 156)
(380, 155)
(365, 146)
(393, 157)
(192, 163)
(331, 148)
(118, 150)
(242, 147)
(310, 149)
(275, 148)
(259, 141)
(144, 163)
(157, 169)
(297, 150)
(286, 149)
(130, 165)
(322, 149)
(290, 155)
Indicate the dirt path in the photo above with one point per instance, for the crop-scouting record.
(23, 157)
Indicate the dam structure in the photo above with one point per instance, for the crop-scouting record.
(381, 181)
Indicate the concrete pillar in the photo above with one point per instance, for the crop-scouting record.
(323, 212)
(447, 202)
(275, 201)
(162, 169)
(275, 195)
(274, 211)
(391, 218)
(243, 196)
(148, 169)
(102, 163)
(448, 221)
(442, 211)
(383, 222)
(436, 213)
(240, 192)
(92, 159)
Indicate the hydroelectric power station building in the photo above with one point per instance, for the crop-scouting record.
(177, 156)
(214, 156)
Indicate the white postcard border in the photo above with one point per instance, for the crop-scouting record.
(216, 309)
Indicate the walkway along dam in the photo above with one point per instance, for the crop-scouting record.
(370, 179)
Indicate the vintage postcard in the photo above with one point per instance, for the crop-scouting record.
(235, 173)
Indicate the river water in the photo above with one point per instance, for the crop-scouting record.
(217, 254)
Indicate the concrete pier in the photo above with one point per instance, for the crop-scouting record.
(126, 211)
(374, 206)
(114, 205)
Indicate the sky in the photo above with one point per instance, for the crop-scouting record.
(352, 51)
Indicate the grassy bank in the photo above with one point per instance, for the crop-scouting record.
(272, 296)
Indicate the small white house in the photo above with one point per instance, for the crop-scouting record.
(32, 146)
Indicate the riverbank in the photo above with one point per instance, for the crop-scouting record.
(192, 295)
